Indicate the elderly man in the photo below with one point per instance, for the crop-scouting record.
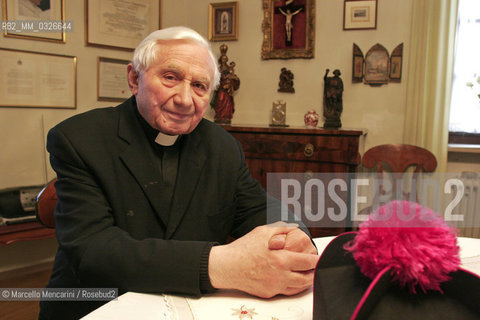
(149, 191)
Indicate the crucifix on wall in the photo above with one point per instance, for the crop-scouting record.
(288, 29)
(287, 15)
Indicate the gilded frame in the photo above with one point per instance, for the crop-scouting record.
(104, 29)
(112, 84)
(303, 45)
(218, 31)
(18, 15)
(45, 80)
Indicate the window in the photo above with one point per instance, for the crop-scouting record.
(465, 103)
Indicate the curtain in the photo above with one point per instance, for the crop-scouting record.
(432, 45)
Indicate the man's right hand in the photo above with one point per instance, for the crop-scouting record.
(250, 265)
(295, 240)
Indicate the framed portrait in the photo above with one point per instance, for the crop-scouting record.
(377, 63)
(359, 14)
(112, 84)
(288, 29)
(223, 21)
(120, 24)
(35, 20)
(396, 60)
(37, 80)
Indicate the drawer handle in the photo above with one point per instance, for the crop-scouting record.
(308, 151)
(308, 175)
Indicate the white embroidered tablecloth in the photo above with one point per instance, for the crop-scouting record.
(226, 305)
(221, 306)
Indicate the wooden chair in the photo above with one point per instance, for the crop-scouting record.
(45, 205)
(398, 159)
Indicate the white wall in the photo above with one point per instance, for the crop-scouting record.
(23, 160)
(380, 110)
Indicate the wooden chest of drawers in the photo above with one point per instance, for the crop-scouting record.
(272, 149)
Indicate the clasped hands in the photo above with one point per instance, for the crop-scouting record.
(269, 260)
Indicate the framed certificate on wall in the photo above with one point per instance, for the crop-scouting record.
(40, 80)
(112, 82)
(121, 24)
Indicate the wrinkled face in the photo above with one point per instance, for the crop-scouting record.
(173, 93)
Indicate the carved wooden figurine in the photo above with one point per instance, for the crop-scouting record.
(222, 101)
(332, 99)
(286, 81)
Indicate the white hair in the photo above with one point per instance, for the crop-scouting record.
(146, 52)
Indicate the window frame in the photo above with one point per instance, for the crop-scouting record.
(459, 137)
(463, 138)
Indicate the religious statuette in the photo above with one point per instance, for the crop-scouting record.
(222, 100)
(311, 119)
(332, 99)
(286, 81)
(279, 114)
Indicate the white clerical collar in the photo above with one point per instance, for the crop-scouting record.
(165, 140)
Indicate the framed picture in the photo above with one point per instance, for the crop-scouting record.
(112, 84)
(359, 14)
(357, 72)
(120, 24)
(377, 67)
(223, 21)
(35, 20)
(288, 29)
(377, 62)
(396, 64)
(40, 80)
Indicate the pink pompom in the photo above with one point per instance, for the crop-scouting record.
(415, 242)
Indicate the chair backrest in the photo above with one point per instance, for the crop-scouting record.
(399, 158)
(45, 205)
